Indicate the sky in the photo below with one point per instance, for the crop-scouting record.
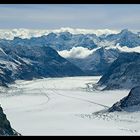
(54, 16)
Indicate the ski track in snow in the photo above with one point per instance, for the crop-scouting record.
(66, 106)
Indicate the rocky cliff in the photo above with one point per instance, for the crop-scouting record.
(129, 103)
(5, 127)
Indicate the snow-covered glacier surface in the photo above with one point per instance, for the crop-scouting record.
(66, 106)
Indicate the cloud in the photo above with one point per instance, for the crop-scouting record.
(124, 48)
(28, 33)
(81, 52)
(76, 52)
(98, 32)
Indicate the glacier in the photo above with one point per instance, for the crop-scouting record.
(39, 98)
(65, 106)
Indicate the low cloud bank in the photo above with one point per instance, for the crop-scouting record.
(125, 48)
(81, 52)
(28, 33)
(76, 52)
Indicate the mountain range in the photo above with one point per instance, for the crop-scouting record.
(38, 57)
(66, 40)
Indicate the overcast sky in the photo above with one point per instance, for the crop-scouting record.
(53, 16)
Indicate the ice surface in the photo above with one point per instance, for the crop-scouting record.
(65, 106)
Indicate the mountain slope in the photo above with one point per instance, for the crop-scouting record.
(129, 103)
(124, 38)
(124, 72)
(28, 62)
(98, 62)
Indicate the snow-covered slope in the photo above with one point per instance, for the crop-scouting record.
(130, 103)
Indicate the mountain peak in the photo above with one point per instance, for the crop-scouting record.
(124, 31)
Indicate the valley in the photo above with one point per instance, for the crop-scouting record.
(66, 106)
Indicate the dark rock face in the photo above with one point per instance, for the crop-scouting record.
(128, 103)
(124, 72)
(5, 127)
